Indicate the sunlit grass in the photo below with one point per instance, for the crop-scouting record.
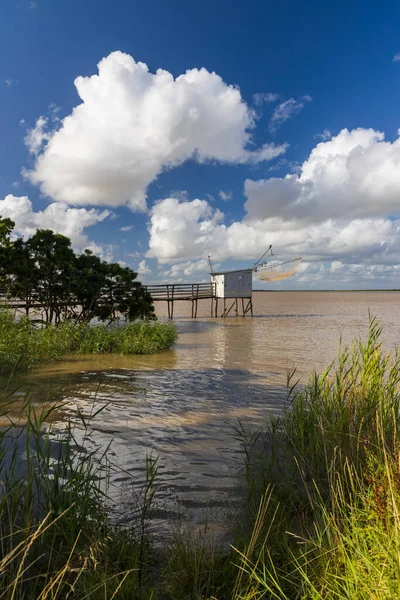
(321, 520)
(332, 464)
(23, 343)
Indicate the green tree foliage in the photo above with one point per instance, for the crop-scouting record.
(44, 271)
(6, 227)
(103, 290)
(19, 273)
(54, 269)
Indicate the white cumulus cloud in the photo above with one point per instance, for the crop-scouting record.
(356, 174)
(57, 216)
(343, 206)
(132, 124)
(188, 268)
(143, 268)
(184, 229)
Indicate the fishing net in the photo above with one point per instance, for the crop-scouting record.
(276, 271)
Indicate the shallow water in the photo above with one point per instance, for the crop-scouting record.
(181, 405)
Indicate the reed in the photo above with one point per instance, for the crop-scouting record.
(56, 537)
(23, 343)
(143, 337)
(332, 462)
(321, 520)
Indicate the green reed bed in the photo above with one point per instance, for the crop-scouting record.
(325, 478)
(145, 337)
(56, 538)
(23, 343)
(321, 519)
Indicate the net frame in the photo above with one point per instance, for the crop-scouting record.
(270, 271)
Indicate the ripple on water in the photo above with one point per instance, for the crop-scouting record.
(182, 405)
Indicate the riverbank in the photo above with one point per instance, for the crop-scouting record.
(321, 518)
(22, 343)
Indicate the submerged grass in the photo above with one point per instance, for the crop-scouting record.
(321, 521)
(23, 343)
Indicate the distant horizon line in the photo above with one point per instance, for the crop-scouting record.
(331, 290)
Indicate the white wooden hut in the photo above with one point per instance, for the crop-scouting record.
(234, 285)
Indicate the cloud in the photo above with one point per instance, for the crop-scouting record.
(343, 206)
(9, 82)
(325, 135)
(374, 240)
(57, 216)
(133, 124)
(348, 276)
(188, 268)
(225, 196)
(37, 136)
(261, 98)
(143, 268)
(184, 230)
(396, 57)
(126, 228)
(354, 175)
(286, 110)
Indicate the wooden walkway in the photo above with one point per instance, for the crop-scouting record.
(170, 292)
(193, 292)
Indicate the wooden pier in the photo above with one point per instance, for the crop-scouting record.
(239, 304)
(193, 292)
(170, 292)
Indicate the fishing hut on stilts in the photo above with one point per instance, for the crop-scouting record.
(233, 292)
(230, 292)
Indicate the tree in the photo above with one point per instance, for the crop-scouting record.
(87, 286)
(54, 262)
(6, 227)
(20, 275)
(124, 295)
(107, 290)
(45, 272)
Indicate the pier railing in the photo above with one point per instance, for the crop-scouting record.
(181, 291)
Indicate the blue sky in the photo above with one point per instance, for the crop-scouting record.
(317, 83)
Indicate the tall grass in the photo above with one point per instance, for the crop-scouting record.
(332, 465)
(146, 337)
(56, 537)
(23, 343)
(321, 521)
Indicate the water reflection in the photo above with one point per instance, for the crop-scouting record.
(182, 404)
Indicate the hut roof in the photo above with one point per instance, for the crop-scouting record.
(233, 271)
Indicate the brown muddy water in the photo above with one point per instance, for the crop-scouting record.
(182, 405)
